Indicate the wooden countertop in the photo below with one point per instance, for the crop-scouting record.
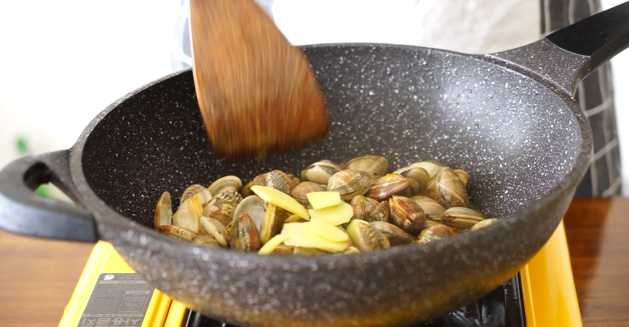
(38, 276)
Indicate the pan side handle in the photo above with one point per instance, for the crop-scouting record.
(24, 212)
(566, 56)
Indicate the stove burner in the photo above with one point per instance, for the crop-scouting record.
(503, 307)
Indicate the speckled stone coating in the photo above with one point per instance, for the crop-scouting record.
(524, 144)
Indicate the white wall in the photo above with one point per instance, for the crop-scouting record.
(63, 61)
(620, 66)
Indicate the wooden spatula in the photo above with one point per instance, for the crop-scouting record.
(256, 92)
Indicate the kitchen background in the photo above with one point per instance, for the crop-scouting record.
(62, 62)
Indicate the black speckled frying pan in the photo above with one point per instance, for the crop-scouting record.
(509, 118)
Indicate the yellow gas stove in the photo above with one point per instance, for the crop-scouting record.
(109, 293)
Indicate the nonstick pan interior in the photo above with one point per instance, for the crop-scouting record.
(516, 137)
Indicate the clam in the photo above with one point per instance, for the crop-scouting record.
(461, 217)
(435, 232)
(362, 206)
(349, 183)
(244, 234)
(380, 212)
(299, 192)
(374, 165)
(228, 195)
(276, 179)
(432, 209)
(274, 218)
(188, 214)
(206, 240)
(447, 189)
(292, 181)
(394, 234)
(406, 214)
(484, 223)
(226, 182)
(177, 232)
(389, 185)
(320, 171)
(253, 206)
(219, 210)
(214, 228)
(369, 209)
(463, 176)
(163, 211)
(365, 237)
(196, 190)
(418, 178)
(432, 167)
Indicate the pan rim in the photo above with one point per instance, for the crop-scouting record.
(105, 215)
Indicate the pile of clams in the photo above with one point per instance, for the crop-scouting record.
(333, 208)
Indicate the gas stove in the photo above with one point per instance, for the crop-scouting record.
(502, 307)
(109, 293)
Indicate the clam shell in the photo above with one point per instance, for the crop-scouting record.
(484, 223)
(432, 209)
(320, 171)
(435, 232)
(276, 179)
(219, 210)
(177, 232)
(365, 237)
(244, 234)
(418, 177)
(292, 181)
(188, 214)
(362, 206)
(374, 165)
(226, 182)
(447, 189)
(406, 214)
(432, 167)
(380, 212)
(253, 206)
(349, 183)
(463, 176)
(299, 192)
(461, 217)
(389, 185)
(228, 195)
(394, 234)
(206, 240)
(216, 229)
(369, 209)
(163, 214)
(198, 190)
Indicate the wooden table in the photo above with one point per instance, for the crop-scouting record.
(37, 276)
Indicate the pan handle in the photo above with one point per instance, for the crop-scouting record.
(24, 212)
(568, 55)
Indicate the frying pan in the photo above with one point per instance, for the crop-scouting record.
(509, 118)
